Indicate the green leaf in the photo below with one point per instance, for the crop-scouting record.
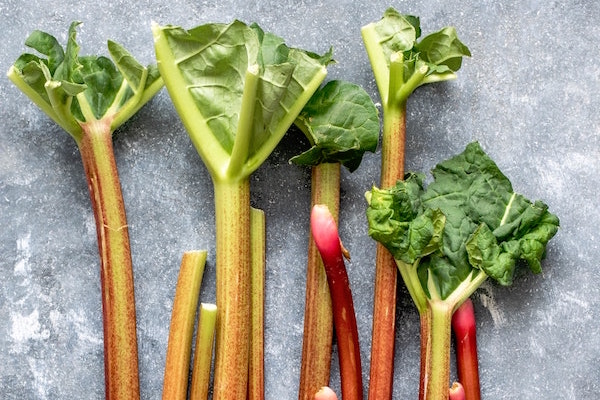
(75, 90)
(397, 58)
(220, 74)
(488, 227)
(131, 70)
(398, 220)
(442, 51)
(47, 45)
(341, 123)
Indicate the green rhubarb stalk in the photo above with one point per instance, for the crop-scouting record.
(237, 90)
(205, 337)
(468, 225)
(181, 331)
(90, 97)
(256, 383)
(341, 123)
(400, 64)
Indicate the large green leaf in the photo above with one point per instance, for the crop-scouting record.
(74, 90)
(236, 88)
(488, 227)
(341, 123)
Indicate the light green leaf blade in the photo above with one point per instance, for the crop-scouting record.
(205, 70)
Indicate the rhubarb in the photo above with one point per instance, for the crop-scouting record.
(341, 123)
(90, 97)
(325, 234)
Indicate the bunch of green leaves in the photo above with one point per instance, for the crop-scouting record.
(75, 89)
(394, 39)
(341, 124)
(466, 225)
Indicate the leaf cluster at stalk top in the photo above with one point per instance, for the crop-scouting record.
(441, 51)
(468, 218)
(208, 70)
(341, 122)
(74, 89)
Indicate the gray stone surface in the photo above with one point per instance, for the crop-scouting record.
(530, 94)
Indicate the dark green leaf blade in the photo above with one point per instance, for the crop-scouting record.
(341, 123)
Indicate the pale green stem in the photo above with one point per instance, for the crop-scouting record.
(243, 136)
(436, 377)
(256, 379)
(205, 337)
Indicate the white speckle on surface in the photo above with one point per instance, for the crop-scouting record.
(27, 327)
(24, 253)
(488, 299)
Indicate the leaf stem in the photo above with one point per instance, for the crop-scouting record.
(384, 308)
(256, 379)
(181, 331)
(205, 337)
(116, 270)
(437, 334)
(465, 332)
(318, 318)
(232, 215)
(243, 136)
(326, 237)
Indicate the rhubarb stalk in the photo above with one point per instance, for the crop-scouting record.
(456, 392)
(256, 379)
(400, 65)
(341, 123)
(181, 331)
(465, 333)
(90, 97)
(325, 234)
(318, 318)
(205, 337)
(237, 90)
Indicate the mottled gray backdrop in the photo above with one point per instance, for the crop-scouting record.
(529, 94)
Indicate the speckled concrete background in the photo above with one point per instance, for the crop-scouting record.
(530, 95)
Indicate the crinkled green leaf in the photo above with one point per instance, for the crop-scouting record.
(341, 123)
(71, 89)
(442, 51)
(206, 70)
(396, 35)
(398, 220)
(47, 45)
(487, 227)
(397, 32)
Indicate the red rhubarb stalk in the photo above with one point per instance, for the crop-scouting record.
(341, 123)
(325, 234)
(465, 332)
(318, 318)
(456, 392)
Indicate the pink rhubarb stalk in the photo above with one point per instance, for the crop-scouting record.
(325, 393)
(325, 233)
(318, 318)
(456, 392)
(465, 331)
